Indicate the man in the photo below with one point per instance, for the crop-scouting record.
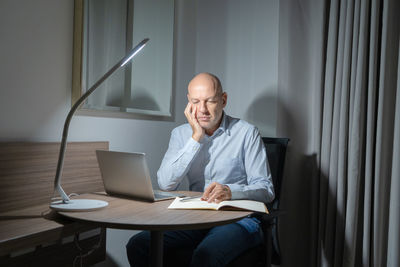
(221, 155)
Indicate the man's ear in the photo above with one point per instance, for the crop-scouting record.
(188, 98)
(224, 98)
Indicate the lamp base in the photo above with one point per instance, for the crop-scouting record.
(78, 205)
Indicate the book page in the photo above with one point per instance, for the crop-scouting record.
(200, 204)
(244, 204)
(192, 204)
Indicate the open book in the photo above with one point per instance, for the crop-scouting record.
(227, 205)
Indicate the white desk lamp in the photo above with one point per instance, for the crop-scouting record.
(67, 204)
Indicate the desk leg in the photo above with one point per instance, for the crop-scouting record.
(156, 248)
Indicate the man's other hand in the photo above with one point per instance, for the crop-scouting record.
(198, 131)
(217, 192)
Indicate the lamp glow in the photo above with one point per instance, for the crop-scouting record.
(67, 204)
(132, 55)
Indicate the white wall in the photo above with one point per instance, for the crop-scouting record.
(235, 40)
(238, 41)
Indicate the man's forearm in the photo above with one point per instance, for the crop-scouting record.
(176, 164)
(259, 192)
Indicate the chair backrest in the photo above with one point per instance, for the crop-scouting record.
(276, 152)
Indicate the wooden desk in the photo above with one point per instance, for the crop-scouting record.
(140, 215)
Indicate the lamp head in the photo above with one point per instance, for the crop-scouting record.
(134, 51)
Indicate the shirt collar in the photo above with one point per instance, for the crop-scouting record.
(224, 126)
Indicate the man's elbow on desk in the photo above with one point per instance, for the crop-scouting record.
(166, 185)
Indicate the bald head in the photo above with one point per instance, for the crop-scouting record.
(206, 101)
(207, 80)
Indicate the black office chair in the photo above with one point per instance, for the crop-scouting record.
(269, 251)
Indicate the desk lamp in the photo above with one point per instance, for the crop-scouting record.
(67, 204)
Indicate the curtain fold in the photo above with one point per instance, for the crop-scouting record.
(357, 150)
(394, 204)
(358, 156)
(373, 63)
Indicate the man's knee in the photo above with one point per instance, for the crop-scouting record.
(137, 249)
(138, 243)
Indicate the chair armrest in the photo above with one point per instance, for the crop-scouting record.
(269, 216)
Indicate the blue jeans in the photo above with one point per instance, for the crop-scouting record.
(208, 247)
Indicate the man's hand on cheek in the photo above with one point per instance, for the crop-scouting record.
(217, 192)
(190, 113)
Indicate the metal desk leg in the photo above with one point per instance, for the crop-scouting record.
(156, 248)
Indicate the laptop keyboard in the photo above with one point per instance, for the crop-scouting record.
(163, 194)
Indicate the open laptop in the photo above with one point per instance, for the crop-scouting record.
(126, 174)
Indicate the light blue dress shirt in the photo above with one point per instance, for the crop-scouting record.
(234, 156)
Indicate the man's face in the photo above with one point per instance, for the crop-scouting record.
(208, 103)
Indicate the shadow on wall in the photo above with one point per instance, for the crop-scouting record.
(262, 113)
(311, 221)
(296, 227)
(139, 100)
(324, 219)
(144, 101)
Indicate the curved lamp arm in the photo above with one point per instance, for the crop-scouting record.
(60, 164)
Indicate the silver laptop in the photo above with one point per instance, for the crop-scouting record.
(126, 174)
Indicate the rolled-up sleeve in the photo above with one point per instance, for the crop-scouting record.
(259, 181)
